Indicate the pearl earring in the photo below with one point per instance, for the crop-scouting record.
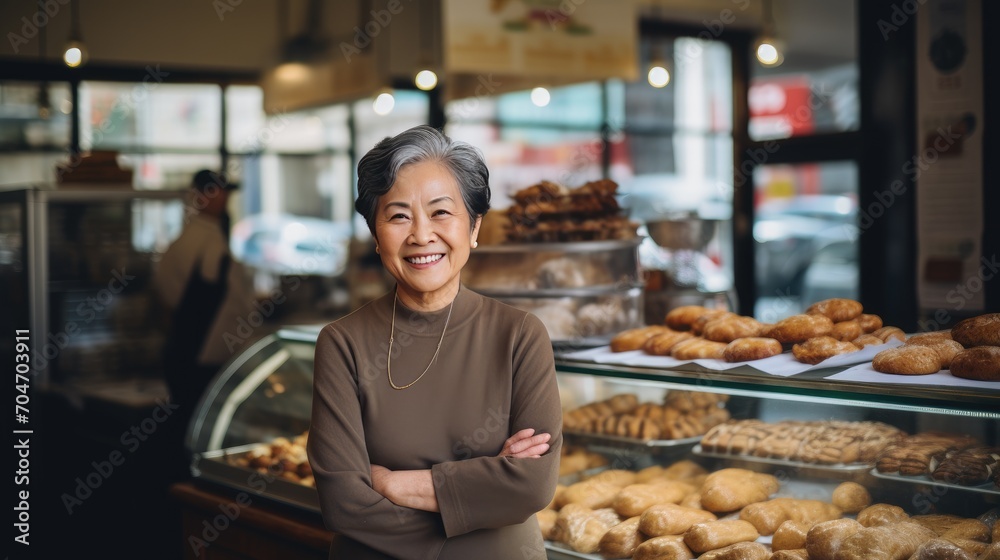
(475, 244)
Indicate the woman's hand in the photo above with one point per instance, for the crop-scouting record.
(413, 489)
(524, 444)
(380, 480)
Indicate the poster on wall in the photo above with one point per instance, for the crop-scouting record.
(567, 40)
(948, 160)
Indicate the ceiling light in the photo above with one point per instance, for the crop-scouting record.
(540, 97)
(384, 103)
(426, 80)
(658, 75)
(768, 47)
(76, 53)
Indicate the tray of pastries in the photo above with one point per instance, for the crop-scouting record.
(550, 212)
(826, 444)
(622, 422)
(278, 469)
(943, 460)
(684, 511)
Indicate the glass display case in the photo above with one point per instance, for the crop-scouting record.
(76, 265)
(249, 432)
(583, 292)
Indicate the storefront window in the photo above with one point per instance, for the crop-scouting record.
(34, 131)
(805, 236)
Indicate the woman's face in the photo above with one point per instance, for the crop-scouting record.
(423, 235)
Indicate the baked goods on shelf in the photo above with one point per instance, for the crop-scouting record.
(983, 330)
(817, 442)
(922, 454)
(964, 350)
(549, 212)
(907, 360)
(282, 457)
(981, 363)
(683, 414)
(851, 497)
(575, 459)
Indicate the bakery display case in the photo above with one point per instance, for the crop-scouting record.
(644, 436)
(583, 292)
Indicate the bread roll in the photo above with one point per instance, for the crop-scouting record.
(907, 360)
(661, 344)
(799, 328)
(983, 330)
(825, 539)
(881, 514)
(717, 534)
(955, 527)
(981, 363)
(837, 309)
(739, 551)
(851, 497)
(946, 349)
(732, 489)
(889, 333)
(728, 329)
(633, 339)
(681, 318)
(820, 348)
(547, 522)
(593, 493)
(767, 516)
(751, 348)
(847, 331)
(869, 323)
(672, 519)
(669, 547)
(637, 498)
(940, 549)
(792, 554)
(621, 540)
(582, 528)
(897, 541)
(791, 535)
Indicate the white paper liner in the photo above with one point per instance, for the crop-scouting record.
(866, 374)
(782, 365)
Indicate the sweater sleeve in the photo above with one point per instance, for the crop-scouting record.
(342, 468)
(492, 492)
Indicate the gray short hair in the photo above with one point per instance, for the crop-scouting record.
(378, 169)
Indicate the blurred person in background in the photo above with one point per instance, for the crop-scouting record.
(204, 293)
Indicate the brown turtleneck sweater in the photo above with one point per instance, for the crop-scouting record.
(493, 377)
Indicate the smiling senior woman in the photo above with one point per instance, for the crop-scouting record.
(436, 417)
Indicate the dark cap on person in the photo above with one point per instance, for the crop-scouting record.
(207, 179)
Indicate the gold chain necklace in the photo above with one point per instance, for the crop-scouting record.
(392, 329)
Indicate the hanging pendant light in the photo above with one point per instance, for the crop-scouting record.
(426, 78)
(75, 54)
(768, 48)
(658, 75)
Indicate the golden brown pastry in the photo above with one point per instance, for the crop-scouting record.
(681, 318)
(637, 498)
(799, 328)
(739, 551)
(946, 349)
(881, 514)
(751, 348)
(971, 466)
(825, 539)
(897, 541)
(913, 455)
(593, 493)
(955, 527)
(670, 547)
(648, 474)
(907, 360)
(847, 331)
(698, 349)
(791, 535)
(889, 333)
(930, 335)
(732, 489)
(837, 309)
(867, 340)
(692, 500)
(622, 403)
(851, 497)
(698, 327)
(582, 528)
(791, 554)
(983, 330)
(616, 477)
(672, 519)
(684, 469)
(817, 349)
(981, 363)
(940, 549)
(767, 516)
(869, 323)
(633, 339)
(621, 540)
(688, 401)
(547, 522)
(717, 534)
(660, 344)
(992, 552)
(728, 329)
